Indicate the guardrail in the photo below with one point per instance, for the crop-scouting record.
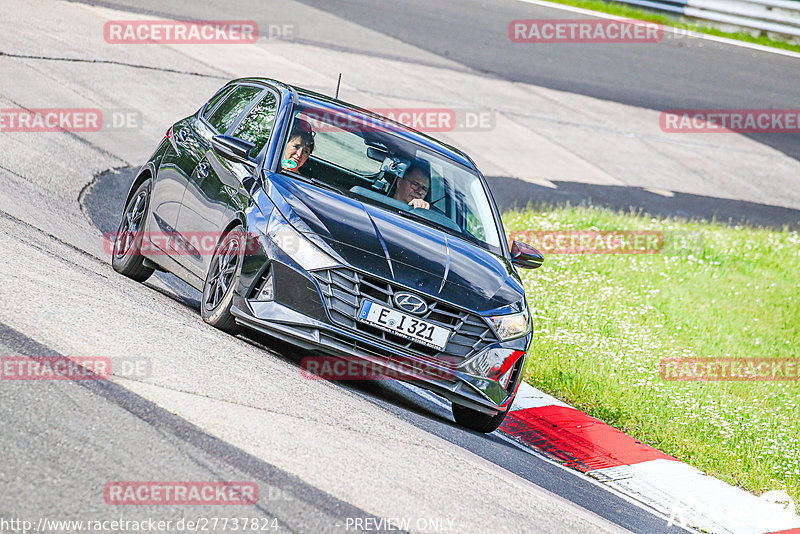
(776, 16)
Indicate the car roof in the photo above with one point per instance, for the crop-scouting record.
(402, 130)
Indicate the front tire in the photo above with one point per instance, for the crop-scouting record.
(478, 421)
(223, 274)
(127, 258)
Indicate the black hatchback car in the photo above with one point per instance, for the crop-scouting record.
(340, 231)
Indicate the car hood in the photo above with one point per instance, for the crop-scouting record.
(396, 248)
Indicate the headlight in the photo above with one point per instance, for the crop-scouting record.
(511, 326)
(300, 249)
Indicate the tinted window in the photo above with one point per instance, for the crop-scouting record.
(257, 125)
(215, 100)
(234, 104)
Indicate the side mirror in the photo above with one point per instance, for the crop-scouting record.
(525, 256)
(232, 148)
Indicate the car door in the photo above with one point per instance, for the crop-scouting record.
(206, 199)
(177, 166)
(237, 179)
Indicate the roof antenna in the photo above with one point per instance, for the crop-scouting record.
(337, 86)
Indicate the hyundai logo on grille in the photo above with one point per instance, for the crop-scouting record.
(410, 303)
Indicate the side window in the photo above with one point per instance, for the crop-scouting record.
(226, 113)
(257, 125)
(215, 100)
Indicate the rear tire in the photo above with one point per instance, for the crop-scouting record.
(478, 421)
(223, 274)
(127, 258)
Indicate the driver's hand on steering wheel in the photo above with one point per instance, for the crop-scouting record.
(419, 203)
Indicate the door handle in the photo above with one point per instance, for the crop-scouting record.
(182, 135)
(202, 169)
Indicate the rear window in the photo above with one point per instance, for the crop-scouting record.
(340, 147)
(216, 99)
(236, 101)
(257, 125)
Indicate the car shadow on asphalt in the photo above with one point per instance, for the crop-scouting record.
(390, 394)
(381, 391)
(512, 193)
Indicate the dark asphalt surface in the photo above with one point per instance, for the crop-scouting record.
(103, 203)
(677, 73)
(136, 440)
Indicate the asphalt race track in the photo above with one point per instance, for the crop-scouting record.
(677, 73)
(569, 122)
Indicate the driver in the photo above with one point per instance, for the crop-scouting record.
(415, 184)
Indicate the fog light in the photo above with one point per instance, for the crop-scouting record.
(267, 292)
(496, 364)
(506, 378)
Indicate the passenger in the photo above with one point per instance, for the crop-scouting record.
(413, 187)
(298, 149)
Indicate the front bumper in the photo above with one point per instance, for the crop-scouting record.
(301, 314)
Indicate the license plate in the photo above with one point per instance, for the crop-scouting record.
(403, 325)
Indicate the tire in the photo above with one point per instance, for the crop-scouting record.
(221, 279)
(126, 258)
(478, 421)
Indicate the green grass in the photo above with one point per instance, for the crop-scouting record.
(625, 10)
(603, 322)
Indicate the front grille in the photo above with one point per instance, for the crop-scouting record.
(345, 289)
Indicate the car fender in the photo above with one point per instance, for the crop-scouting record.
(148, 170)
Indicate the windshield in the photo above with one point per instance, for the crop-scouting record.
(362, 157)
